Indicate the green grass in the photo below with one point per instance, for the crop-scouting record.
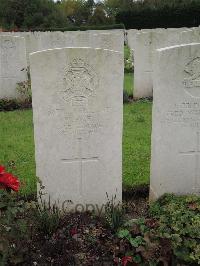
(136, 143)
(17, 145)
(128, 83)
(128, 77)
(126, 52)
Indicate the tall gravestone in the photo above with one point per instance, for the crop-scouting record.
(175, 163)
(13, 65)
(143, 65)
(77, 108)
(111, 41)
(131, 34)
(146, 44)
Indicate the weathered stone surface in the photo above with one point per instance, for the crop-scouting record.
(175, 162)
(13, 65)
(146, 44)
(131, 35)
(111, 41)
(143, 65)
(77, 107)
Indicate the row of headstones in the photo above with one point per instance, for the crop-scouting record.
(144, 43)
(15, 48)
(15, 52)
(78, 109)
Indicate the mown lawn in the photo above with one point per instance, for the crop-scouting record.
(17, 145)
(128, 83)
(136, 143)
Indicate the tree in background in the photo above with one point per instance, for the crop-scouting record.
(30, 14)
(100, 16)
(160, 13)
(77, 11)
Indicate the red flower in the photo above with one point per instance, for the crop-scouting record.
(2, 169)
(7, 180)
(126, 259)
(73, 231)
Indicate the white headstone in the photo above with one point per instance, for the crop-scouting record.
(81, 39)
(51, 40)
(146, 44)
(175, 163)
(31, 41)
(110, 41)
(131, 34)
(77, 108)
(143, 65)
(13, 65)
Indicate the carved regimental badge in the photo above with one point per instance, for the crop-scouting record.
(192, 82)
(7, 44)
(80, 83)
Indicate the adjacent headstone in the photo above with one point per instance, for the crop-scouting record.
(131, 35)
(190, 36)
(31, 41)
(143, 84)
(13, 65)
(39, 41)
(110, 41)
(81, 39)
(175, 163)
(77, 108)
(146, 44)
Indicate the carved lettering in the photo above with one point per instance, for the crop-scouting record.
(186, 114)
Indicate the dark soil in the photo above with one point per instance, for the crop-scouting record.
(79, 239)
(11, 105)
(83, 239)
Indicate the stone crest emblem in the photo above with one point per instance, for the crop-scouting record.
(192, 82)
(80, 82)
(7, 44)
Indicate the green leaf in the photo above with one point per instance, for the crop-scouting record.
(123, 233)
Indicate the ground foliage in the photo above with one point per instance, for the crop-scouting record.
(167, 233)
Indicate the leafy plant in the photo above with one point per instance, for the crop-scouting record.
(47, 215)
(13, 229)
(179, 221)
(134, 241)
(128, 61)
(24, 88)
(114, 213)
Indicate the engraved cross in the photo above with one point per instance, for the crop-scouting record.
(81, 160)
(196, 153)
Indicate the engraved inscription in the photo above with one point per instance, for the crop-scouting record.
(81, 160)
(80, 83)
(186, 114)
(196, 153)
(192, 83)
(81, 124)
